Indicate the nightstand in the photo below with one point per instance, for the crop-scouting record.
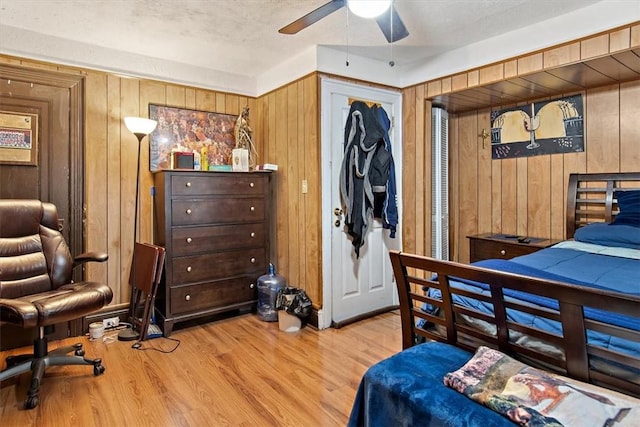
(505, 246)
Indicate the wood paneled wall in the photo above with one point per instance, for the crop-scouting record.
(286, 132)
(110, 187)
(527, 196)
(111, 154)
(524, 196)
(291, 139)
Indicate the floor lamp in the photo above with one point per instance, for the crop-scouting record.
(140, 127)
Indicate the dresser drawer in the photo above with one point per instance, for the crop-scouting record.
(218, 265)
(217, 210)
(192, 240)
(211, 295)
(504, 246)
(485, 249)
(227, 184)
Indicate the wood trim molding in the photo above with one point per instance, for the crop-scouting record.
(607, 58)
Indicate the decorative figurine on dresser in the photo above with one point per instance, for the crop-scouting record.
(215, 228)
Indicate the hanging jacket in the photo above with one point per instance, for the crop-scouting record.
(389, 209)
(362, 133)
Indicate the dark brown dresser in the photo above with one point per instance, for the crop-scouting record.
(215, 228)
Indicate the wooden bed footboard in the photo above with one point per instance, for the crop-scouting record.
(567, 352)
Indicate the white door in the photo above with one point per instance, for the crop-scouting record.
(354, 286)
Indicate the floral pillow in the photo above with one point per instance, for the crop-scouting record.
(533, 397)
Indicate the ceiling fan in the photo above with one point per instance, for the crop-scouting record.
(389, 22)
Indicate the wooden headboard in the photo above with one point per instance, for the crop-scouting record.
(591, 197)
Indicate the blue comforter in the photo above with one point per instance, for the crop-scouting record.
(569, 266)
(407, 389)
(585, 268)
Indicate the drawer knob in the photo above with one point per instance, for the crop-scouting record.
(503, 252)
(189, 269)
(251, 184)
(188, 211)
(187, 297)
(189, 239)
(252, 208)
(252, 285)
(253, 234)
(253, 260)
(188, 184)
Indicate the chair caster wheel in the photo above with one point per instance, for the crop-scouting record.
(31, 402)
(79, 352)
(98, 370)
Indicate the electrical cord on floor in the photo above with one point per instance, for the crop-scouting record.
(138, 346)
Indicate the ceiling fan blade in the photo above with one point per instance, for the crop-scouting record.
(391, 21)
(312, 17)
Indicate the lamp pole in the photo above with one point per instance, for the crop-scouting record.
(140, 136)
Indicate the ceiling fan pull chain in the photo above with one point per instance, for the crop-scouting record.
(391, 61)
(347, 63)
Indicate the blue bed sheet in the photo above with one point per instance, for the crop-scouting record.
(407, 389)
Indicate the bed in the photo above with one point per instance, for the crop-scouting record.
(571, 311)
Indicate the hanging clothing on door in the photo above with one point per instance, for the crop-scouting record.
(364, 135)
(386, 203)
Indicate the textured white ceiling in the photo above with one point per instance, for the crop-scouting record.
(240, 37)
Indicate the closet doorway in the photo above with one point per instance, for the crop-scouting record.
(353, 287)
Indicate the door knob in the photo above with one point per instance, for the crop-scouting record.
(337, 211)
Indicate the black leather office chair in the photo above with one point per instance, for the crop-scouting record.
(36, 289)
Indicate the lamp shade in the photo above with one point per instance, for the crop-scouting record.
(140, 125)
(368, 8)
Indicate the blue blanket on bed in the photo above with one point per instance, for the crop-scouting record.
(596, 270)
(516, 268)
(407, 389)
(569, 266)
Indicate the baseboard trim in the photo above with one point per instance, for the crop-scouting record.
(313, 318)
(122, 311)
(363, 316)
(119, 310)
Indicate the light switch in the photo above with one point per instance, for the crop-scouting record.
(305, 188)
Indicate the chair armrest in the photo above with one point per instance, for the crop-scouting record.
(90, 257)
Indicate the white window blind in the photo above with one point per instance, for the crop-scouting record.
(440, 184)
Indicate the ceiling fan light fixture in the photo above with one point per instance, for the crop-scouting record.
(368, 8)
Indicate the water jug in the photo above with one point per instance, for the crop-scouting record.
(268, 287)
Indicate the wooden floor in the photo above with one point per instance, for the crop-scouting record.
(234, 372)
